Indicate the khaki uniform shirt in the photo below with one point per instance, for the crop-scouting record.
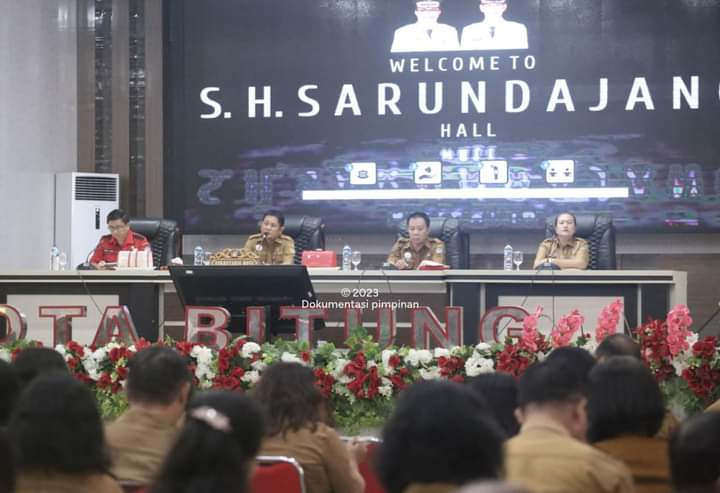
(544, 458)
(714, 407)
(433, 249)
(138, 442)
(66, 483)
(322, 455)
(431, 488)
(551, 249)
(278, 251)
(647, 459)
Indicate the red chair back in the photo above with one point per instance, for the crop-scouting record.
(367, 469)
(275, 474)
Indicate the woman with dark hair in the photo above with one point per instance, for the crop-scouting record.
(296, 416)
(564, 249)
(440, 436)
(58, 441)
(625, 412)
(500, 392)
(216, 448)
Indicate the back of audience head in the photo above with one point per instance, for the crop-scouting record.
(500, 392)
(158, 376)
(290, 399)
(439, 432)
(9, 391)
(554, 389)
(56, 428)
(624, 399)
(695, 454)
(578, 359)
(617, 345)
(7, 464)
(35, 361)
(215, 450)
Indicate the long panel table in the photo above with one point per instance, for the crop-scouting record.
(156, 308)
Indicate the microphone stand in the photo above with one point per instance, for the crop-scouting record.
(712, 317)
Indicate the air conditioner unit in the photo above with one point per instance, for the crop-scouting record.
(82, 203)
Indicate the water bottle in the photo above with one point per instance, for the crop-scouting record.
(54, 258)
(507, 258)
(198, 254)
(148, 258)
(346, 254)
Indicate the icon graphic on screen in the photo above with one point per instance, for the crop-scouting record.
(428, 172)
(494, 32)
(427, 34)
(559, 171)
(493, 172)
(362, 173)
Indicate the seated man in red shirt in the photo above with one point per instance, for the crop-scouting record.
(121, 238)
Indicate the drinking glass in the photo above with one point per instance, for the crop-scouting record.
(517, 259)
(356, 258)
(62, 260)
(206, 258)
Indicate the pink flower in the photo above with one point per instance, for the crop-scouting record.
(566, 327)
(678, 323)
(608, 320)
(529, 334)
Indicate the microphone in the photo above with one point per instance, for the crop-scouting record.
(86, 264)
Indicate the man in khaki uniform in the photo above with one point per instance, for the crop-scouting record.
(408, 253)
(550, 455)
(270, 244)
(158, 386)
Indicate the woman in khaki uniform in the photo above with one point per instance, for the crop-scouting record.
(563, 249)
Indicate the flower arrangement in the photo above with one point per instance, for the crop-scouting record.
(362, 380)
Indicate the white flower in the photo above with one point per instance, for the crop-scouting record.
(61, 349)
(430, 373)
(250, 348)
(476, 365)
(258, 365)
(339, 371)
(541, 356)
(680, 363)
(385, 388)
(483, 347)
(416, 357)
(386, 355)
(5, 355)
(251, 377)
(370, 364)
(291, 358)
(692, 339)
(202, 354)
(590, 346)
(441, 351)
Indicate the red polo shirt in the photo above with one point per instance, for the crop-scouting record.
(107, 248)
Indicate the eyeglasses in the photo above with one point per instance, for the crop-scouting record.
(117, 228)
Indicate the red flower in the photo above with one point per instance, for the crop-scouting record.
(705, 348)
(324, 381)
(305, 356)
(394, 361)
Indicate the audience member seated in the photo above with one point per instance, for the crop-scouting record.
(579, 360)
(440, 436)
(500, 392)
(57, 437)
(617, 345)
(624, 345)
(216, 449)
(9, 391)
(158, 385)
(296, 415)
(625, 411)
(563, 249)
(7, 464)
(35, 361)
(695, 455)
(550, 454)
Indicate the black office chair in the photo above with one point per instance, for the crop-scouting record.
(307, 232)
(163, 235)
(599, 232)
(450, 231)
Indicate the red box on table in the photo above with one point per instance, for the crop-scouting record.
(319, 258)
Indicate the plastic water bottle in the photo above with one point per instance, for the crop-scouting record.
(507, 257)
(148, 258)
(54, 258)
(198, 254)
(346, 257)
